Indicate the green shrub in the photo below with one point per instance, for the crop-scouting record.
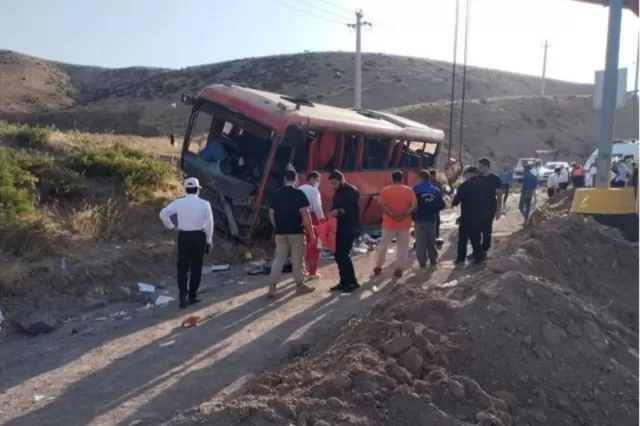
(137, 171)
(18, 196)
(26, 136)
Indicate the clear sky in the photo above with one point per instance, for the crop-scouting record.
(504, 34)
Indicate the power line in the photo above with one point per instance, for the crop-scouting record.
(320, 9)
(307, 12)
(336, 5)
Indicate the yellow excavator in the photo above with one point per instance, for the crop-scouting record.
(617, 207)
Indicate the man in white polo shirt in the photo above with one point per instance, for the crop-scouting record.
(195, 235)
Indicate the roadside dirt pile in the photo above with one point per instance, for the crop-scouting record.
(546, 334)
(555, 207)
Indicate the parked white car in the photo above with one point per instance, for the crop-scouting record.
(549, 167)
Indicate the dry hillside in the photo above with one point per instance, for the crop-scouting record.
(504, 129)
(138, 100)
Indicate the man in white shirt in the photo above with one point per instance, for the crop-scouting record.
(563, 178)
(621, 171)
(312, 250)
(195, 235)
(552, 182)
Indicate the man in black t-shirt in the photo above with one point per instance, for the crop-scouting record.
(493, 206)
(472, 199)
(289, 215)
(346, 209)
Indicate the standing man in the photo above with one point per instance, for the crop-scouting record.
(312, 252)
(425, 219)
(506, 177)
(577, 175)
(397, 202)
(289, 215)
(471, 196)
(433, 177)
(346, 209)
(529, 186)
(493, 197)
(621, 170)
(195, 236)
(563, 179)
(552, 182)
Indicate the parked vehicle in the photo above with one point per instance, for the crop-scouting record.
(549, 168)
(240, 141)
(518, 170)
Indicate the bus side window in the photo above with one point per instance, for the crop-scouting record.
(375, 155)
(301, 157)
(328, 152)
(350, 157)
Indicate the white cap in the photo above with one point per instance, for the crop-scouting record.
(192, 183)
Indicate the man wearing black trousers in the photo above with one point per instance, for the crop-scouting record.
(346, 209)
(471, 196)
(195, 235)
(493, 205)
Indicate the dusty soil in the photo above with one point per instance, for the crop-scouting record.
(546, 334)
(106, 367)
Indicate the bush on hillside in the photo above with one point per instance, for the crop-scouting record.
(137, 171)
(26, 136)
(17, 189)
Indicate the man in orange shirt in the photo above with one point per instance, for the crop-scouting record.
(397, 202)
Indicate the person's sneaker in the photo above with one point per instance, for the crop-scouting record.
(377, 270)
(193, 300)
(471, 256)
(183, 303)
(423, 265)
(459, 262)
(304, 289)
(480, 261)
(313, 277)
(337, 287)
(350, 288)
(433, 264)
(397, 273)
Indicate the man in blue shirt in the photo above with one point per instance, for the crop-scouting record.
(529, 186)
(506, 176)
(425, 217)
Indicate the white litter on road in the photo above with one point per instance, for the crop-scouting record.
(169, 343)
(163, 300)
(146, 288)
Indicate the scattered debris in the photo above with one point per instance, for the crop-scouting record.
(146, 288)
(164, 344)
(215, 268)
(163, 300)
(191, 321)
(38, 323)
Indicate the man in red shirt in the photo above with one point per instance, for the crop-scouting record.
(397, 202)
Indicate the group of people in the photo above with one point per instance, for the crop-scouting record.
(295, 212)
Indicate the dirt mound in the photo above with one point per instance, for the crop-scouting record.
(557, 206)
(546, 334)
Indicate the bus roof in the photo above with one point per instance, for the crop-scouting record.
(264, 108)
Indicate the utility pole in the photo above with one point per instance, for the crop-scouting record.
(358, 76)
(545, 46)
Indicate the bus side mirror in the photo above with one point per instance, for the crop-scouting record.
(294, 137)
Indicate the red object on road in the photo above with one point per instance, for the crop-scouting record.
(326, 232)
